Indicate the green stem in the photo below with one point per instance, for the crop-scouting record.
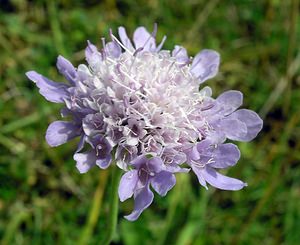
(114, 206)
(95, 209)
(175, 198)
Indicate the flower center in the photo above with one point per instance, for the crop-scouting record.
(147, 100)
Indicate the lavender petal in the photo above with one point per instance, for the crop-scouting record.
(142, 200)
(252, 121)
(60, 132)
(124, 38)
(139, 161)
(128, 184)
(104, 162)
(85, 161)
(225, 155)
(92, 55)
(234, 129)
(66, 68)
(221, 181)
(230, 101)
(81, 143)
(155, 165)
(52, 91)
(205, 65)
(199, 173)
(113, 49)
(90, 50)
(163, 182)
(180, 54)
(143, 39)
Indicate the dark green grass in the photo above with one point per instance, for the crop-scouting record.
(44, 200)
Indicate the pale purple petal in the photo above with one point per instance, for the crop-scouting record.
(234, 129)
(217, 137)
(177, 169)
(155, 165)
(66, 68)
(220, 181)
(205, 65)
(252, 121)
(179, 158)
(230, 101)
(180, 54)
(127, 185)
(113, 49)
(225, 155)
(81, 143)
(90, 50)
(201, 148)
(104, 162)
(59, 132)
(124, 38)
(199, 173)
(139, 161)
(64, 112)
(85, 161)
(163, 182)
(52, 91)
(93, 124)
(193, 154)
(102, 150)
(142, 200)
(93, 56)
(143, 39)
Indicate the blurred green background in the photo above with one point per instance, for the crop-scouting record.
(44, 200)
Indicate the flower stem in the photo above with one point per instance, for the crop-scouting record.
(114, 205)
(175, 198)
(95, 209)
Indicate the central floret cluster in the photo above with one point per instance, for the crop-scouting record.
(144, 105)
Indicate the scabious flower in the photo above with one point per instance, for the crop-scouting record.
(140, 107)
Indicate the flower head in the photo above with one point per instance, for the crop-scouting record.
(145, 103)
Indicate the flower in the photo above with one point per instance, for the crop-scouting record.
(100, 154)
(141, 106)
(137, 182)
(204, 157)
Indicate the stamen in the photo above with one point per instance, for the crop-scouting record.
(98, 147)
(178, 51)
(135, 56)
(103, 53)
(123, 85)
(154, 30)
(161, 44)
(198, 164)
(137, 51)
(116, 39)
(111, 60)
(153, 35)
(137, 112)
(211, 160)
(185, 116)
(103, 42)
